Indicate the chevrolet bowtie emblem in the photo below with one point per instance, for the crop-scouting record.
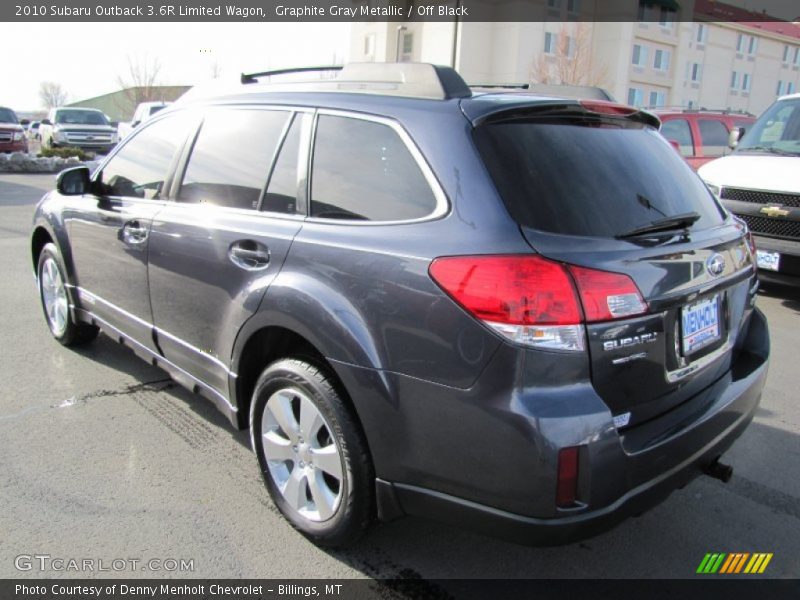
(774, 211)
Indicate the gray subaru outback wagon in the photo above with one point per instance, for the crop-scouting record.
(520, 314)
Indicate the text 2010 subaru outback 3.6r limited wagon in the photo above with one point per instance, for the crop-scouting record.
(525, 315)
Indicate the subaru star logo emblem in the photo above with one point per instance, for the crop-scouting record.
(715, 264)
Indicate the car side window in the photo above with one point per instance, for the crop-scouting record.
(715, 137)
(281, 193)
(139, 168)
(362, 170)
(679, 130)
(231, 157)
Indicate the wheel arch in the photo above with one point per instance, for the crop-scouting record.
(39, 239)
(264, 345)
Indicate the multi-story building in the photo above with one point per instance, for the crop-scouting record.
(726, 57)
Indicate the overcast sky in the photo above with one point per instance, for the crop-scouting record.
(86, 58)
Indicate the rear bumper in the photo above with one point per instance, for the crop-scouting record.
(621, 474)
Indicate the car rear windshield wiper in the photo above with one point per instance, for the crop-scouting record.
(770, 149)
(682, 221)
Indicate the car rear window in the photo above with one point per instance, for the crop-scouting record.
(590, 177)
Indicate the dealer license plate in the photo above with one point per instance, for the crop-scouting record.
(700, 324)
(768, 260)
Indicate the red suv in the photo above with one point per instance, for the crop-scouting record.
(701, 135)
(12, 135)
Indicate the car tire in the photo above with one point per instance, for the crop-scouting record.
(312, 453)
(54, 295)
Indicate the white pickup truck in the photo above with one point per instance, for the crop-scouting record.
(144, 111)
(86, 128)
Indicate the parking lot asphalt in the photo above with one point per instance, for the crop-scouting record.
(102, 457)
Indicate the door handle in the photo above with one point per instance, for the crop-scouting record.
(249, 255)
(133, 232)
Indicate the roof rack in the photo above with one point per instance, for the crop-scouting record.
(511, 86)
(700, 109)
(415, 80)
(253, 77)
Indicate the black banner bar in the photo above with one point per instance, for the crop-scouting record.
(704, 587)
(390, 10)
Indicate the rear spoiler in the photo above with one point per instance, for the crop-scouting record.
(566, 108)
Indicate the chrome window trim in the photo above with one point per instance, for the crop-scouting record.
(442, 207)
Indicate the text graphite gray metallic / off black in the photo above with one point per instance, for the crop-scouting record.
(520, 314)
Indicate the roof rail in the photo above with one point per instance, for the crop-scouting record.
(699, 109)
(512, 86)
(415, 80)
(253, 77)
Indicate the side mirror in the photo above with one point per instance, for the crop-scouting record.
(734, 136)
(46, 122)
(675, 145)
(73, 182)
(25, 122)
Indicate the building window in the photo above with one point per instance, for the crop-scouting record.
(570, 46)
(635, 97)
(690, 104)
(553, 3)
(666, 17)
(779, 91)
(734, 80)
(408, 46)
(746, 82)
(790, 87)
(657, 99)
(751, 49)
(639, 55)
(786, 51)
(369, 46)
(573, 6)
(696, 72)
(661, 61)
(797, 56)
(702, 33)
(740, 43)
(550, 42)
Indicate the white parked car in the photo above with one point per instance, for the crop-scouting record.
(760, 184)
(144, 111)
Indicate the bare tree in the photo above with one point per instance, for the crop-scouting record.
(52, 94)
(572, 61)
(141, 83)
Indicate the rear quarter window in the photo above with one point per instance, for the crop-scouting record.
(590, 178)
(362, 170)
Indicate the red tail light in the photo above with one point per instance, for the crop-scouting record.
(532, 300)
(567, 484)
(606, 296)
(514, 290)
